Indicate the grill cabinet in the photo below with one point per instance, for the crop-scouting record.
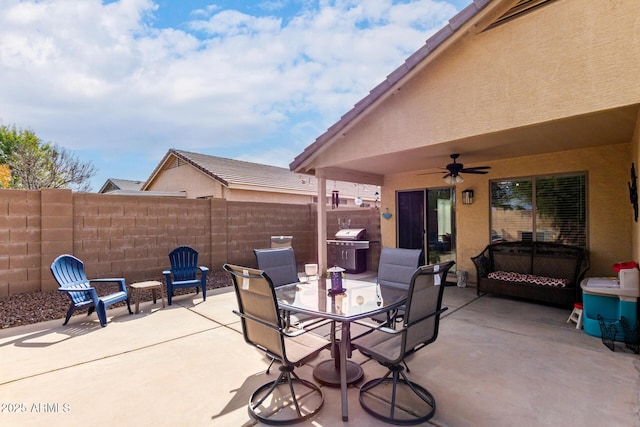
(349, 247)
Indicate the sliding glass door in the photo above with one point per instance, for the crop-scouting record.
(426, 220)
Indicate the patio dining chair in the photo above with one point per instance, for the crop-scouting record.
(184, 272)
(279, 264)
(70, 275)
(281, 267)
(288, 399)
(395, 270)
(394, 398)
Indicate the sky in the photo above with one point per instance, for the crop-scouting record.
(119, 83)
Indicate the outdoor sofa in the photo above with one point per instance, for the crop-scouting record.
(540, 271)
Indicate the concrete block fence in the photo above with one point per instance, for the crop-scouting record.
(131, 236)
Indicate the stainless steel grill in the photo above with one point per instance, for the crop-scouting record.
(349, 247)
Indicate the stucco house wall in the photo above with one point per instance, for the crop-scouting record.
(552, 91)
(635, 158)
(609, 210)
(187, 178)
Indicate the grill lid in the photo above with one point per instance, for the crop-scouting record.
(351, 234)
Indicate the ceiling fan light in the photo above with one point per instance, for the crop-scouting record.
(453, 180)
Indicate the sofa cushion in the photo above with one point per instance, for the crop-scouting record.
(509, 276)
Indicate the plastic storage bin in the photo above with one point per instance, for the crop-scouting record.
(611, 309)
(611, 298)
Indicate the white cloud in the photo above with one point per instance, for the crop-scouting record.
(98, 76)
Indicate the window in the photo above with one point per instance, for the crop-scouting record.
(560, 209)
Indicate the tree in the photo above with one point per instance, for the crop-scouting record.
(35, 164)
(5, 176)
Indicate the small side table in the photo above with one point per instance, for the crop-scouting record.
(151, 284)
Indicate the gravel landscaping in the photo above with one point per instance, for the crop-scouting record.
(35, 307)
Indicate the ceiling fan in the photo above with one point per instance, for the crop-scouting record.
(455, 169)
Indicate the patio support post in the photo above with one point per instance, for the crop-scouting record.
(322, 225)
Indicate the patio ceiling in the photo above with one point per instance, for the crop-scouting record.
(609, 127)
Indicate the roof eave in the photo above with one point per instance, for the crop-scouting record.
(434, 44)
(174, 153)
(201, 168)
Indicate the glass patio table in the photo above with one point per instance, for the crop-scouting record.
(359, 300)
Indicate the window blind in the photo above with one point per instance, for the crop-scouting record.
(560, 213)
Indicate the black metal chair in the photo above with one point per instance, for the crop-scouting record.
(390, 347)
(69, 273)
(293, 399)
(183, 273)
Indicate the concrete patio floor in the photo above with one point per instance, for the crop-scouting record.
(497, 362)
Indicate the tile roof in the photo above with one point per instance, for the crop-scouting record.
(113, 184)
(239, 173)
(127, 184)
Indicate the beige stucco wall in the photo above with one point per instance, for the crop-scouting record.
(610, 214)
(565, 59)
(267, 197)
(635, 157)
(186, 178)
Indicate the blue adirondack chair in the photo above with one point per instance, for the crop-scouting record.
(183, 273)
(69, 273)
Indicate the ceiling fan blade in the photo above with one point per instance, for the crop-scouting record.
(455, 168)
(443, 170)
(475, 168)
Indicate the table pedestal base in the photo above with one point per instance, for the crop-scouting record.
(328, 374)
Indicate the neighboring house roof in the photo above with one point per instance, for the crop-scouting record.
(113, 184)
(255, 176)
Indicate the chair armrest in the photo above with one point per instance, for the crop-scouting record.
(262, 322)
(92, 291)
(305, 328)
(288, 334)
(313, 324)
(585, 265)
(377, 327)
(482, 264)
(76, 289)
(167, 277)
(203, 273)
(425, 317)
